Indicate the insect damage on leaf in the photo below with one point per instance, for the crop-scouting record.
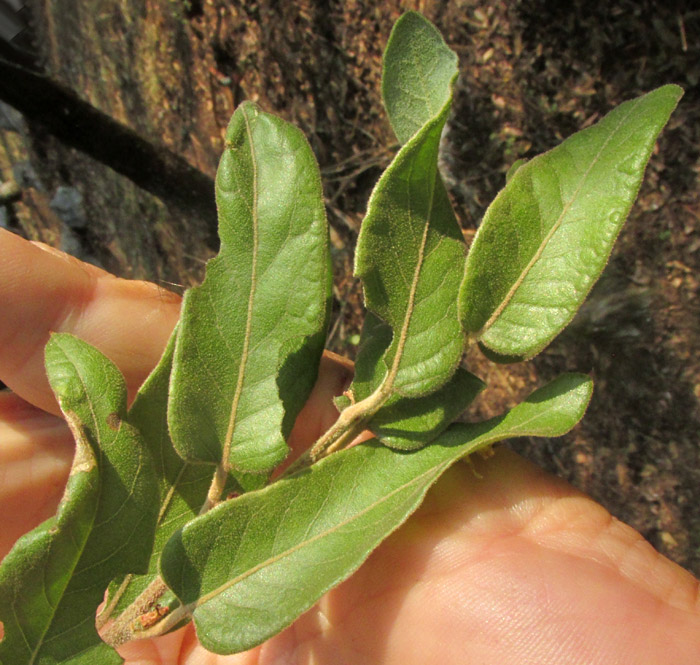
(152, 617)
(53, 580)
(84, 458)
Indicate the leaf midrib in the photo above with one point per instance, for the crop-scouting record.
(288, 552)
(555, 227)
(393, 372)
(492, 436)
(353, 418)
(433, 115)
(251, 298)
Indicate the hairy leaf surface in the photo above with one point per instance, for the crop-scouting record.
(546, 237)
(54, 578)
(252, 565)
(182, 488)
(410, 250)
(408, 423)
(418, 72)
(514, 167)
(252, 334)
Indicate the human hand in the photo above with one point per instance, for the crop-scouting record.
(506, 565)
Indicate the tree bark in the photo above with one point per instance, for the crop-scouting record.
(146, 90)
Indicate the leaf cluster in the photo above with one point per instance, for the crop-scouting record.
(170, 503)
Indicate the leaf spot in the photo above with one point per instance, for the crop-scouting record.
(114, 421)
(153, 616)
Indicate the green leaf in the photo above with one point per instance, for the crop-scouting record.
(375, 339)
(252, 334)
(56, 544)
(418, 73)
(54, 578)
(182, 488)
(250, 566)
(514, 167)
(546, 237)
(499, 358)
(410, 251)
(408, 423)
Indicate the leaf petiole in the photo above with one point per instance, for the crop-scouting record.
(216, 489)
(122, 630)
(351, 422)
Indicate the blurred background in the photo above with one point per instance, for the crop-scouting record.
(112, 114)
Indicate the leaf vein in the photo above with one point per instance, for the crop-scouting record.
(555, 227)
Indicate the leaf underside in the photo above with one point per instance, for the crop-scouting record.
(410, 250)
(54, 578)
(408, 423)
(252, 334)
(252, 565)
(418, 74)
(182, 490)
(547, 236)
(245, 356)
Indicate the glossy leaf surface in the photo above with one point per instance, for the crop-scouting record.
(547, 236)
(252, 334)
(54, 578)
(410, 249)
(252, 565)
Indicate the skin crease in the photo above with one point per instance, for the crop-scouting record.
(501, 564)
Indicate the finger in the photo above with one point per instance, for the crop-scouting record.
(35, 457)
(158, 650)
(508, 566)
(43, 290)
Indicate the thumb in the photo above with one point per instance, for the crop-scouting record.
(44, 290)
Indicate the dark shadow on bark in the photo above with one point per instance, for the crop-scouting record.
(83, 127)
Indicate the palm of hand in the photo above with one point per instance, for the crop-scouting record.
(507, 565)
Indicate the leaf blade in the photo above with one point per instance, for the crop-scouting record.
(182, 488)
(559, 215)
(291, 561)
(408, 423)
(418, 72)
(54, 578)
(410, 248)
(263, 307)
